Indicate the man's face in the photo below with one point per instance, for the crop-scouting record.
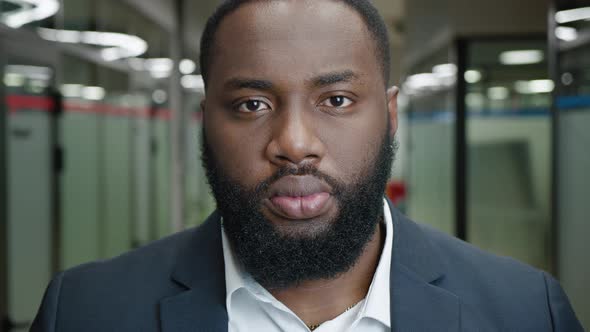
(296, 125)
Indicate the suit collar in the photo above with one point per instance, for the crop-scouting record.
(417, 303)
(201, 256)
(413, 249)
(199, 270)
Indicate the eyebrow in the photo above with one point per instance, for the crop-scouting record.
(317, 82)
(243, 83)
(333, 78)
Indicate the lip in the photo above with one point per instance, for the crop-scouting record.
(298, 186)
(299, 197)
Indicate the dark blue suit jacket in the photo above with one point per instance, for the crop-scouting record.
(438, 283)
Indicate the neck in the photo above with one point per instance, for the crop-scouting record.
(317, 301)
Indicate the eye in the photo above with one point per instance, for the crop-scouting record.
(253, 106)
(337, 101)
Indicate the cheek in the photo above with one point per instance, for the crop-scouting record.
(354, 144)
(238, 150)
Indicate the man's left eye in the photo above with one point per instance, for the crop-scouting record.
(337, 101)
(253, 106)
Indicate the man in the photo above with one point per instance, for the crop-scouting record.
(297, 145)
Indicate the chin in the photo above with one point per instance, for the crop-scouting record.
(303, 229)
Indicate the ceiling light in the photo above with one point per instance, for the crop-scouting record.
(116, 45)
(159, 96)
(571, 15)
(534, 86)
(62, 36)
(120, 45)
(32, 72)
(472, 76)
(14, 80)
(421, 81)
(39, 83)
(30, 11)
(159, 65)
(498, 93)
(93, 93)
(446, 74)
(430, 82)
(71, 90)
(566, 33)
(160, 74)
(523, 57)
(187, 66)
(193, 82)
(445, 70)
(567, 78)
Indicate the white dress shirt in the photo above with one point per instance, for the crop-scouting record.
(250, 307)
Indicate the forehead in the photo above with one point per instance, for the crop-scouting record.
(292, 40)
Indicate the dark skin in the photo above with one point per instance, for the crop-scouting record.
(297, 82)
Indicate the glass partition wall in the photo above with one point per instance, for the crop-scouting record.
(508, 148)
(430, 140)
(29, 235)
(84, 140)
(479, 160)
(479, 145)
(497, 155)
(570, 37)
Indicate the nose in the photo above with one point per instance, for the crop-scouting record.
(294, 139)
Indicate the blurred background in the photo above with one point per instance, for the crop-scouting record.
(100, 129)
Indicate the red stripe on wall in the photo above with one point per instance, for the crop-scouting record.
(105, 109)
(110, 110)
(17, 103)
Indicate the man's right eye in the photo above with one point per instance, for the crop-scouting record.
(253, 106)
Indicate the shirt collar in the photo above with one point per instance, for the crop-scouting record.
(377, 302)
(235, 278)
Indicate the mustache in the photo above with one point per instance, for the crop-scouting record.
(306, 169)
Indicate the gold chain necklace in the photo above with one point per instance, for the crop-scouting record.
(315, 326)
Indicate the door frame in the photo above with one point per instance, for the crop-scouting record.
(463, 48)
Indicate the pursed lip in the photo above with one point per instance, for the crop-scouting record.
(298, 186)
(299, 198)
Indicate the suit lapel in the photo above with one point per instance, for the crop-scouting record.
(417, 303)
(420, 306)
(200, 271)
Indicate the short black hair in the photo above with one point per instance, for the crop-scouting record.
(373, 20)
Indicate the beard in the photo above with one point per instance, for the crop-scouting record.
(279, 260)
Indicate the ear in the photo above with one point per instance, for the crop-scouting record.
(392, 93)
